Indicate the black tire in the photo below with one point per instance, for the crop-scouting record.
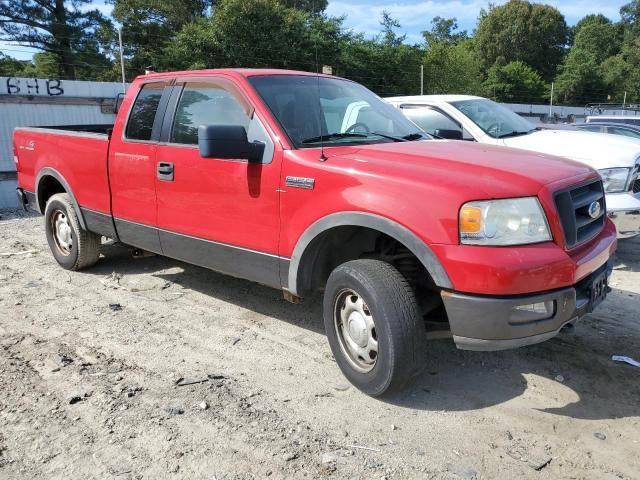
(399, 332)
(83, 249)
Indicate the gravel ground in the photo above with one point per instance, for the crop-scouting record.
(89, 363)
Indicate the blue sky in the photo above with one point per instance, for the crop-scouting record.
(414, 15)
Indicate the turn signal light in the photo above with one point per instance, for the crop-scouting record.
(470, 220)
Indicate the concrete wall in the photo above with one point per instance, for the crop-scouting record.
(38, 102)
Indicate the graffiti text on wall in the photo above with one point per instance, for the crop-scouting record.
(33, 86)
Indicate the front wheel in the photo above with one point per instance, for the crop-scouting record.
(373, 325)
(72, 247)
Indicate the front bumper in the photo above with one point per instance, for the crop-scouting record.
(624, 210)
(487, 323)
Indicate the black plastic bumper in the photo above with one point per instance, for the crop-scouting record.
(499, 323)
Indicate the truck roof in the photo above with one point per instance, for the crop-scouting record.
(245, 72)
(433, 98)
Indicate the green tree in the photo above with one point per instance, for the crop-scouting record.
(64, 30)
(621, 72)
(515, 82)
(450, 63)
(599, 19)
(385, 64)
(10, 67)
(312, 6)
(444, 30)
(148, 26)
(582, 76)
(230, 38)
(521, 31)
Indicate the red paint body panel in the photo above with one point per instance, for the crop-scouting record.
(81, 160)
(419, 185)
(526, 269)
(227, 201)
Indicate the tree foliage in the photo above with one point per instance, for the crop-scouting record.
(516, 52)
(522, 31)
(450, 62)
(514, 82)
(70, 35)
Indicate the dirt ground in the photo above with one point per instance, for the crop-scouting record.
(89, 363)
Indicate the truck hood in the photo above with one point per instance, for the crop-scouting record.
(598, 150)
(476, 169)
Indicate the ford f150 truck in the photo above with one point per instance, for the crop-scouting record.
(266, 175)
(485, 121)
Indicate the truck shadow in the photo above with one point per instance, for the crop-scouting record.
(628, 255)
(571, 375)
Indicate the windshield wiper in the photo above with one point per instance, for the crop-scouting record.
(515, 133)
(390, 137)
(329, 136)
(414, 136)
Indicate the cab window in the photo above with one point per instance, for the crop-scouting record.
(143, 112)
(206, 104)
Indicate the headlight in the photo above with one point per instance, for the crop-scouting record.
(516, 221)
(614, 179)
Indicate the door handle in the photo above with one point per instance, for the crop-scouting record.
(165, 171)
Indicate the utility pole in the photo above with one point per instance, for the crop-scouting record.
(551, 101)
(421, 79)
(624, 101)
(124, 81)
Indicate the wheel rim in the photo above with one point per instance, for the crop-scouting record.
(356, 331)
(62, 232)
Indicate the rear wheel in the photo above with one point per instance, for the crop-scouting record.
(72, 247)
(373, 325)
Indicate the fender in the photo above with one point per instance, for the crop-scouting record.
(51, 172)
(375, 222)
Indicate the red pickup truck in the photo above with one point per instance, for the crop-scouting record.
(306, 182)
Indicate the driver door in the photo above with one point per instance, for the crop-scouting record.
(217, 213)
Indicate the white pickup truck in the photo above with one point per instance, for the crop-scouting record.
(464, 117)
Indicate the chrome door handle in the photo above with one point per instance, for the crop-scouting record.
(165, 171)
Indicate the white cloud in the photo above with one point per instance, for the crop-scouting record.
(415, 16)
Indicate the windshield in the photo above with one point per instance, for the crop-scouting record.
(494, 119)
(313, 109)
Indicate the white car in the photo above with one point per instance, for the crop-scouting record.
(464, 117)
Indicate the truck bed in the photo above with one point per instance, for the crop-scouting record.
(73, 154)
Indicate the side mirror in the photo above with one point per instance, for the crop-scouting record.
(449, 134)
(228, 141)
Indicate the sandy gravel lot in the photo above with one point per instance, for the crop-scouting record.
(89, 363)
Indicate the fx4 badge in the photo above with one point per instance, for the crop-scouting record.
(300, 182)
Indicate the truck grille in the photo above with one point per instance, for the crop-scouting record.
(636, 186)
(574, 206)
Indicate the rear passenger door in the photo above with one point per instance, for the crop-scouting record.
(132, 171)
(217, 213)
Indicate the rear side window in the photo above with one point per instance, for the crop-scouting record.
(144, 111)
(206, 104)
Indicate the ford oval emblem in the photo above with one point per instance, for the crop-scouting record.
(594, 209)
